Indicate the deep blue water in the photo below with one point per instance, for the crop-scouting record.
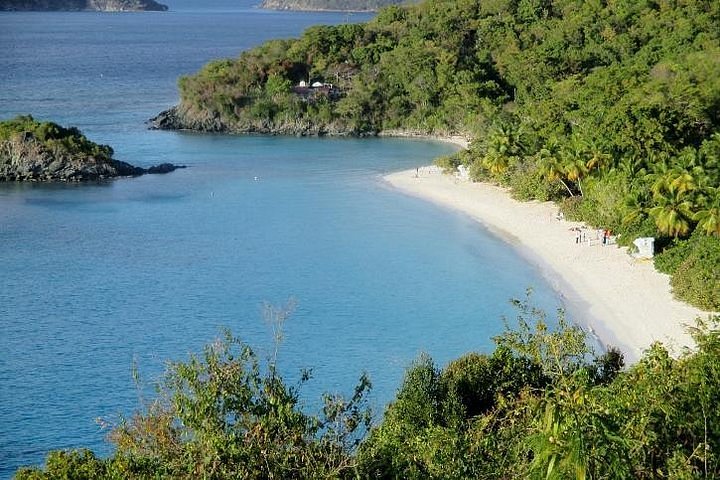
(93, 277)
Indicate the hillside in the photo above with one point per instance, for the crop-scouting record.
(333, 5)
(78, 5)
(610, 109)
(46, 152)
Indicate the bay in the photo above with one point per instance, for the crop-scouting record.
(95, 278)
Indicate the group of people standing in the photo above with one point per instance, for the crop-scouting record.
(601, 234)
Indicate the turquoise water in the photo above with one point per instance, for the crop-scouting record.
(151, 268)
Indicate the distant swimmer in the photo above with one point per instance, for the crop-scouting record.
(257, 178)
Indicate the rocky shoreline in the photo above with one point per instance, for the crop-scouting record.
(53, 170)
(175, 118)
(24, 159)
(82, 5)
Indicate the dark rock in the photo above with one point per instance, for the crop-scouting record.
(25, 159)
(166, 120)
(124, 169)
(164, 168)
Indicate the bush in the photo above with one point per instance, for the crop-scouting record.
(527, 183)
(477, 380)
(449, 163)
(76, 465)
(673, 256)
(697, 278)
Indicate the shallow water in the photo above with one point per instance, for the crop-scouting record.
(97, 276)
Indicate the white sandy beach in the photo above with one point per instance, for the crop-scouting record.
(625, 301)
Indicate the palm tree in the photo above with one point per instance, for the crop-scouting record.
(496, 162)
(673, 214)
(503, 148)
(575, 164)
(549, 161)
(708, 218)
(682, 181)
(633, 210)
(631, 167)
(596, 157)
(660, 177)
(687, 169)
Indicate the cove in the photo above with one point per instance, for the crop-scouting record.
(97, 277)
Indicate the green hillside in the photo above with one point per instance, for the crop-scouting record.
(610, 108)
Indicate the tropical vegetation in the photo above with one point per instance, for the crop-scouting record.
(542, 405)
(611, 109)
(51, 137)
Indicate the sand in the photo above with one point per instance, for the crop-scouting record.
(624, 301)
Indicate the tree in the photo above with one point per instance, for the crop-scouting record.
(550, 162)
(575, 161)
(503, 148)
(673, 214)
(708, 216)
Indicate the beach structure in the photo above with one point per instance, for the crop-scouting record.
(645, 247)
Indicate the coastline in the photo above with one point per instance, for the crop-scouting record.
(459, 140)
(623, 301)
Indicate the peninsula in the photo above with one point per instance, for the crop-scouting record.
(46, 152)
(80, 5)
(329, 5)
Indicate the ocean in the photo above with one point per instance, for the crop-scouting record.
(96, 278)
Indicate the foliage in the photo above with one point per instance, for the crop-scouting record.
(695, 268)
(225, 414)
(541, 405)
(75, 464)
(53, 138)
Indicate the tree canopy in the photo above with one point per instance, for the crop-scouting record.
(541, 405)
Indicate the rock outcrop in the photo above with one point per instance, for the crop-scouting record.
(179, 118)
(47, 152)
(27, 160)
(79, 5)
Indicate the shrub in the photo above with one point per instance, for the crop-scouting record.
(76, 465)
(449, 163)
(673, 256)
(477, 380)
(527, 183)
(697, 278)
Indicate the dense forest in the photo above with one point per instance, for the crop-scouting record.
(540, 406)
(611, 109)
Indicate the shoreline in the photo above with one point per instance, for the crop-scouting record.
(458, 140)
(622, 301)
